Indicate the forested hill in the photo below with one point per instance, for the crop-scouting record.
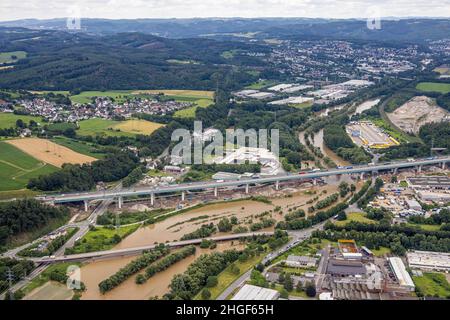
(411, 29)
(58, 60)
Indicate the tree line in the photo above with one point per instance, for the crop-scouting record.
(165, 263)
(132, 268)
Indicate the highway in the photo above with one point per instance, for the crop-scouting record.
(41, 266)
(130, 192)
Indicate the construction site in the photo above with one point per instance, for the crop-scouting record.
(366, 134)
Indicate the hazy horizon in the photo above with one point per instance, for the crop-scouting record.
(218, 9)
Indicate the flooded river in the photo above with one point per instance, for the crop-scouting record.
(318, 137)
(93, 273)
(318, 142)
(174, 227)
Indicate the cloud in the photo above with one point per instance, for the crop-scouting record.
(115, 9)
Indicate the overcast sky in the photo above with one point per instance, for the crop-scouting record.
(121, 9)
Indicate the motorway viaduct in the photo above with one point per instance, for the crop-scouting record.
(138, 250)
(215, 185)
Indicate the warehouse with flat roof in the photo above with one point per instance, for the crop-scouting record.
(428, 260)
(400, 273)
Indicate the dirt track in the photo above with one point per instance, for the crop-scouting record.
(50, 152)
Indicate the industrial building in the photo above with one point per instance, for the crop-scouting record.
(400, 273)
(251, 292)
(413, 205)
(349, 249)
(429, 183)
(367, 134)
(427, 260)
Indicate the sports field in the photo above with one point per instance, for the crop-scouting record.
(49, 152)
(93, 127)
(8, 120)
(13, 56)
(17, 168)
(434, 86)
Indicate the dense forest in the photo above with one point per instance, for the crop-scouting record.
(59, 60)
(26, 215)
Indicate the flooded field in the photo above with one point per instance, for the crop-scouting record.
(318, 142)
(174, 227)
(93, 273)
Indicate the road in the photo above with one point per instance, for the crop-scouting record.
(138, 250)
(83, 229)
(129, 192)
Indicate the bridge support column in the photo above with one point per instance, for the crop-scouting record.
(277, 185)
(120, 202)
(216, 192)
(247, 188)
(86, 206)
(361, 176)
(395, 170)
(152, 199)
(314, 182)
(443, 165)
(419, 168)
(183, 195)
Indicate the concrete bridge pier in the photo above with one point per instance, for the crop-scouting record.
(120, 203)
(86, 205)
(443, 165)
(215, 192)
(395, 170)
(277, 185)
(361, 176)
(314, 182)
(247, 188)
(183, 195)
(419, 168)
(152, 199)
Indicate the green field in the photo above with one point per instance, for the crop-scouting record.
(44, 277)
(17, 168)
(8, 120)
(190, 112)
(101, 238)
(355, 216)
(93, 127)
(7, 57)
(128, 128)
(82, 147)
(428, 227)
(434, 86)
(261, 84)
(432, 285)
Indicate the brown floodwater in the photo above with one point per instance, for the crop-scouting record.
(174, 227)
(318, 142)
(93, 273)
